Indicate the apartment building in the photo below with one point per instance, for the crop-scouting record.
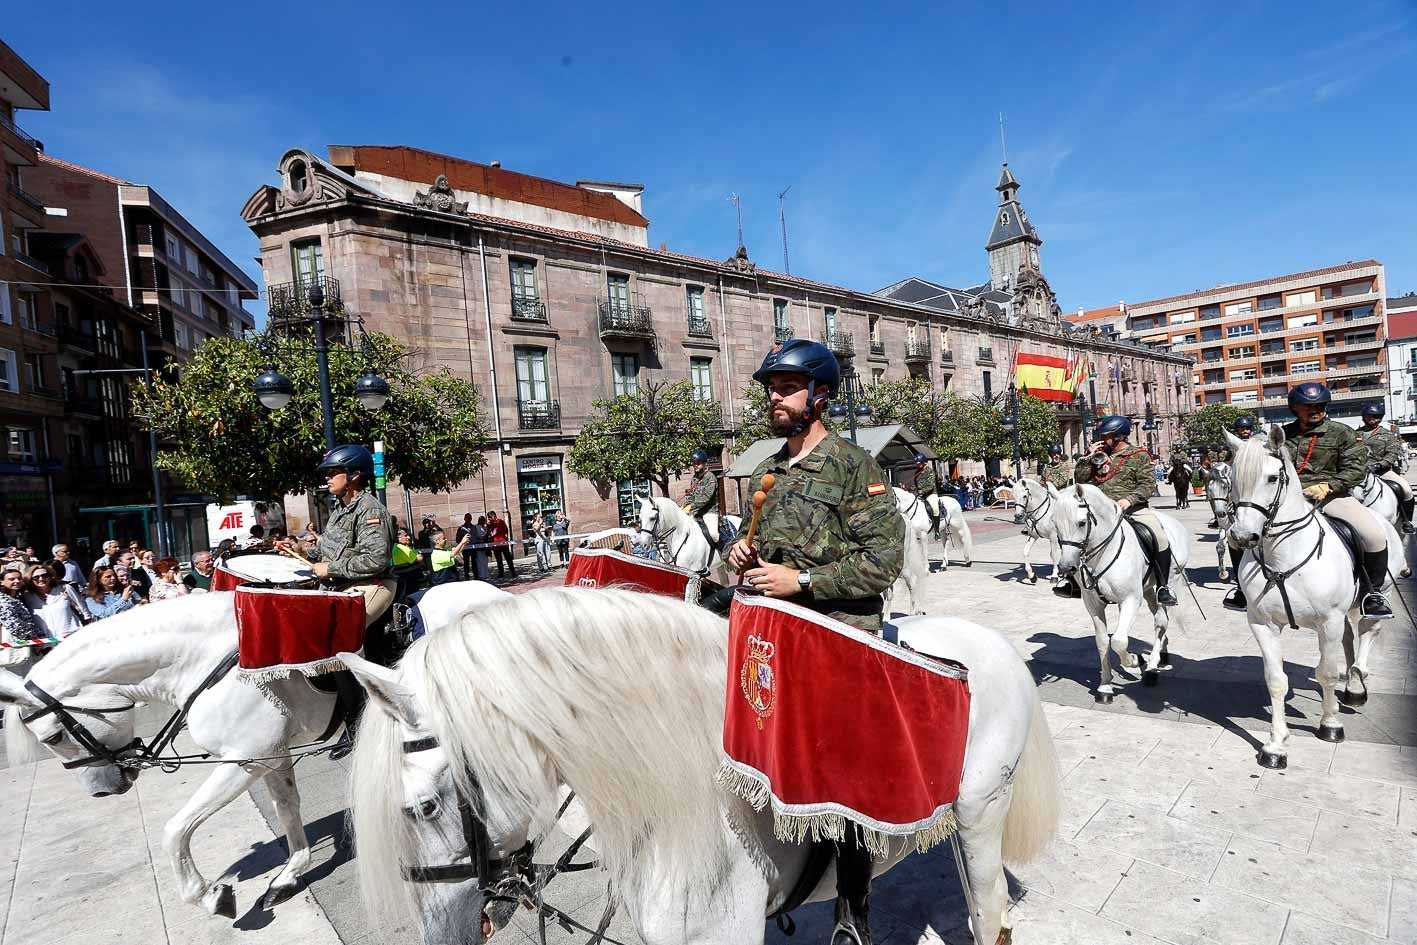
(1253, 341)
(549, 296)
(1401, 357)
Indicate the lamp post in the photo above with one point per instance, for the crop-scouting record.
(1085, 412)
(1011, 425)
(1149, 425)
(855, 405)
(274, 389)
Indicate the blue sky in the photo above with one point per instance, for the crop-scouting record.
(1161, 147)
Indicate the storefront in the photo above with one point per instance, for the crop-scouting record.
(539, 488)
(26, 514)
(628, 492)
(186, 518)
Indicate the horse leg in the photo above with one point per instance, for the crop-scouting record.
(980, 843)
(1221, 557)
(1356, 695)
(1273, 753)
(1330, 641)
(224, 785)
(1099, 630)
(286, 798)
(1126, 615)
(1027, 563)
(1160, 620)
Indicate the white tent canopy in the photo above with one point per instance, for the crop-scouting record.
(892, 445)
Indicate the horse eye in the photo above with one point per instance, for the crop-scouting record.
(1273, 478)
(53, 739)
(426, 810)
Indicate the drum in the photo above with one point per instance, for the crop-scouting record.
(263, 570)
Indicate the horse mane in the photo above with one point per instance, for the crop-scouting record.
(1249, 461)
(618, 694)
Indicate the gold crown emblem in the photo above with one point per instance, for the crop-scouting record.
(761, 650)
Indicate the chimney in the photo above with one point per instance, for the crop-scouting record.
(495, 164)
(1122, 306)
(1080, 311)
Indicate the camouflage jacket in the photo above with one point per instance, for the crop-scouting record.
(358, 542)
(1383, 447)
(1330, 453)
(1059, 475)
(1126, 474)
(924, 483)
(703, 497)
(832, 515)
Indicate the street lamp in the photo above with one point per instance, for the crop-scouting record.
(1149, 425)
(1011, 425)
(855, 405)
(306, 303)
(1086, 412)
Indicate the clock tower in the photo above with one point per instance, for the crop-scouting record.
(1013, 242)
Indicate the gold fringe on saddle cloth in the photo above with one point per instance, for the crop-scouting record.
(269, 674)
(797, 828)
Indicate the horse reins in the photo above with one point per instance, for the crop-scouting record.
(1030, 520)
(653, 532)
(1283, 530)
(514, 879)
(1087, 573)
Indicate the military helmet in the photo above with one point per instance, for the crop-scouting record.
(698, 456)
(350, 457)
(1243, 423)
(1055, 449)
(1374, 410)
(1309, 392)
(1115, 425)
(800, 356)
(920, 459)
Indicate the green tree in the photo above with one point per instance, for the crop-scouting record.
(1207, 426)
(753, 417)
(222, 441)
(645, 435)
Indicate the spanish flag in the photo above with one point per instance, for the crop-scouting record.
(1043, 376)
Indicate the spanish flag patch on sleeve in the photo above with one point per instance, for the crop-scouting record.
(876, 488)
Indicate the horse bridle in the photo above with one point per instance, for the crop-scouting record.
(653, 532)
(512, 880)
(1087, 573)
(1030, 520)
(1226, 501)
(1282, 531)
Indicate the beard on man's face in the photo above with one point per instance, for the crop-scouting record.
(782, 425)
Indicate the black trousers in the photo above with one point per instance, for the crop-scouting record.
(503, 552)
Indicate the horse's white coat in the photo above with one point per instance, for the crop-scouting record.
(1037, 506)
(664, 522)
(1218, 479)
(1122, 581)
(621, 696)
(1322, 592)
(1379, 498)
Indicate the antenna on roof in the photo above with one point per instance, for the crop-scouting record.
(782, 215)
(737, 202)
(1003, 143)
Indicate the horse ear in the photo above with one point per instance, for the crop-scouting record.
(13, 691)
(1052, 490)
(1234, 441)
(385, 687)
(1276, 436)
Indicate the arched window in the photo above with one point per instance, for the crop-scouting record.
(296, 177)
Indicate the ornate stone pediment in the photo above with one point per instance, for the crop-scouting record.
(304, 179)
(740, 261)
(440, 197)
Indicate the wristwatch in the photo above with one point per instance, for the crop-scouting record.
(804, 580)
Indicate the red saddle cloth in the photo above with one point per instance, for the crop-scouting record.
(281, 631)
(602, 567)
(828, 724)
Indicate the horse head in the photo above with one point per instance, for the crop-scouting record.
(1083, 514)
(430, 848)
(83, 726)
(1261, 473)
(653, 524)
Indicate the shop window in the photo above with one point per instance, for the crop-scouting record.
(539, 488)
(21, 445)
(627, 495)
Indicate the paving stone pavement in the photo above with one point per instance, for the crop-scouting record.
(1171, 833)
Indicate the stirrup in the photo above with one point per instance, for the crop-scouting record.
(344, 746)
(846, 933)
(1375, 607)
(1235, 600)
(1166, 597)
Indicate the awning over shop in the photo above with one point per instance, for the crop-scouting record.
(892, 445)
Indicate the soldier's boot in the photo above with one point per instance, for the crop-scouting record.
(1374, 605)
(352, 697)
(1067, 587)
(853, 892)
(1164, 595)
(1235, 600)
(1404, 518)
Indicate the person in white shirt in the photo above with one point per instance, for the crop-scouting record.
(51, 606)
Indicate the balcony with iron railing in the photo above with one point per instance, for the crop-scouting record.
(30, 261)
(947, 358)
(538, 415)
(528, 308)
(29, 141)
(292, 299)
(625, 320)
(25, 197)
(841, 343)
(782, 333)
(917, 350)
(699, 325)
(878, 347)
(986, 356)
(74, 337)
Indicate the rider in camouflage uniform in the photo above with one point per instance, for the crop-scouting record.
(1058, 473)
(703, 495)
(1124, 474)
(1386, 457)
(829, 538)
(1331, 463)
(924, 485)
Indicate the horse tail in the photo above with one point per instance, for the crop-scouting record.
(1037, 801)
(21, 747)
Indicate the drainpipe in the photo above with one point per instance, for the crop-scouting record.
(727, 352)
(492, 366)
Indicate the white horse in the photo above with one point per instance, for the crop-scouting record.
(1379, 497)
(1036, 503)
(616, 539)
(163, 654)
(1100, 545)
(1286, 541)
(621, 696)
(950, 514)
(1217, 481)
(665, 524)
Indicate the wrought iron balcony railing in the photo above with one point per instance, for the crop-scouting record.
(14, 129)
(986, 356)
(621, 320)
(947, 358)
(31, 262)
(782, 333)
(841, 342)
(292, 299)
(917, 351)
(699, 326)
(25, 196)
(539, 415)
(88, 406)
(528, 308)
(878, 346)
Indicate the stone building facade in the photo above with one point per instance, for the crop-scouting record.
(546, 319)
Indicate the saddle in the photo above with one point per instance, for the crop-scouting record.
(1349, 538)
(1147, 540)
(1396, 492)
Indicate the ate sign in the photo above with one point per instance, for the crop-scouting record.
(232, 520)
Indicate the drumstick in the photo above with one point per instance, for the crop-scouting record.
(759, 498)
(290, 550)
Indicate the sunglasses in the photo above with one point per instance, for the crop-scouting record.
(40, 577)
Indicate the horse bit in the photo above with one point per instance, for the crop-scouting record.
(513, 880)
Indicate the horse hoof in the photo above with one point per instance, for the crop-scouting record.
(1405, 572)
(1165, 660)
(1353, 699)
(1273, 760)
(225, 902)
(1330, 733)
(967, 564)
(1006, 937)
(1150, 677)
(1102, 698)
(278, 894)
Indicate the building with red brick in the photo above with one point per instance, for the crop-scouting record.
(548, 296)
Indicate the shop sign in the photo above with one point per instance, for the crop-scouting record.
(538, 464)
